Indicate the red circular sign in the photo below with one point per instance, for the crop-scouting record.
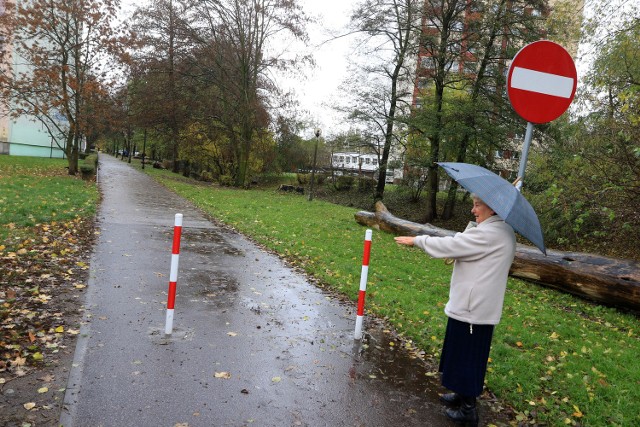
(542, 81)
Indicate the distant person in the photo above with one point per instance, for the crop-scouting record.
(482, 256)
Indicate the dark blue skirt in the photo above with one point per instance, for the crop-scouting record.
(463, 362)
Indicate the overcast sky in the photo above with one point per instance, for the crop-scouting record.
(317, 88)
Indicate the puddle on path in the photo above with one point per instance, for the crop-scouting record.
(207, 241)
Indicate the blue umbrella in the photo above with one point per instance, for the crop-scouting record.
(501, 196)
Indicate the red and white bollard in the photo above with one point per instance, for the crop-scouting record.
(173, 275)
(363, 284)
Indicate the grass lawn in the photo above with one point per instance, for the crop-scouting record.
(39, 191)
(46, 236)
(556, 359)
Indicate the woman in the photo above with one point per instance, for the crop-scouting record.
(483, 256)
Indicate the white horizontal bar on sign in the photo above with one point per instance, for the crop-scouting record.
(545, 83)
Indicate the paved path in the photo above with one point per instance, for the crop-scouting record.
(286, 346)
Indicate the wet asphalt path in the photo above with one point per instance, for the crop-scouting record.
(286, 347)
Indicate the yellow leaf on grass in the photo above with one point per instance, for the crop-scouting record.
(578, 412)
(37, 356)
(59, 329)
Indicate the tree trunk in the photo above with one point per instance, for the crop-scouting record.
(609, 281)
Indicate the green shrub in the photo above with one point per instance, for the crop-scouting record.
(344, 183)
(88, 166)
(206, 176)
(87, 171)
(92, 159)
(366, 184)
(225, 180)
(303, 178)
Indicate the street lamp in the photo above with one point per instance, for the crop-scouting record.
(313, 171)
(144, 147)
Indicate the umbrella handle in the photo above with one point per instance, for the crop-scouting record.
(518, 179)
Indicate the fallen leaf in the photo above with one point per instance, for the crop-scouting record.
(276, 379)
(232, 334)
(577, 413)
(59, 329)
(224, 375)
(43, 390)
(29, 406)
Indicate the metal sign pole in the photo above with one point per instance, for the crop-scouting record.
(525, 153)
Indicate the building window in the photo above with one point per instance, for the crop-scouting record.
(367, 160)
(375, 161)
(348, 160)
(427, 62)
(341, 159)
(354, 159)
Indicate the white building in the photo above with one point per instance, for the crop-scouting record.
(353, 163)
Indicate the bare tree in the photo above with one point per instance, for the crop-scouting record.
(384, 83)
(234, 37)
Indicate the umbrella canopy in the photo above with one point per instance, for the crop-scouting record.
(501, 196)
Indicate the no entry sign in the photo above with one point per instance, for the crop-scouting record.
(542, 81)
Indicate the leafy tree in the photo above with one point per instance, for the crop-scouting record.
(62, 47)
(164, 40)
(290, 155)
(233, 38)
(465, 46)
(593, 163)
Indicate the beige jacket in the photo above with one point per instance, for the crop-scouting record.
(483, 256)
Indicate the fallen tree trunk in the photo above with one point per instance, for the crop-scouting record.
(609, 281)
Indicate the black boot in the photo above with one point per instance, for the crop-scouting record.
(467, 413)
(451, 399)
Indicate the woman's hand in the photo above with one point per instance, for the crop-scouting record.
(404, 240)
